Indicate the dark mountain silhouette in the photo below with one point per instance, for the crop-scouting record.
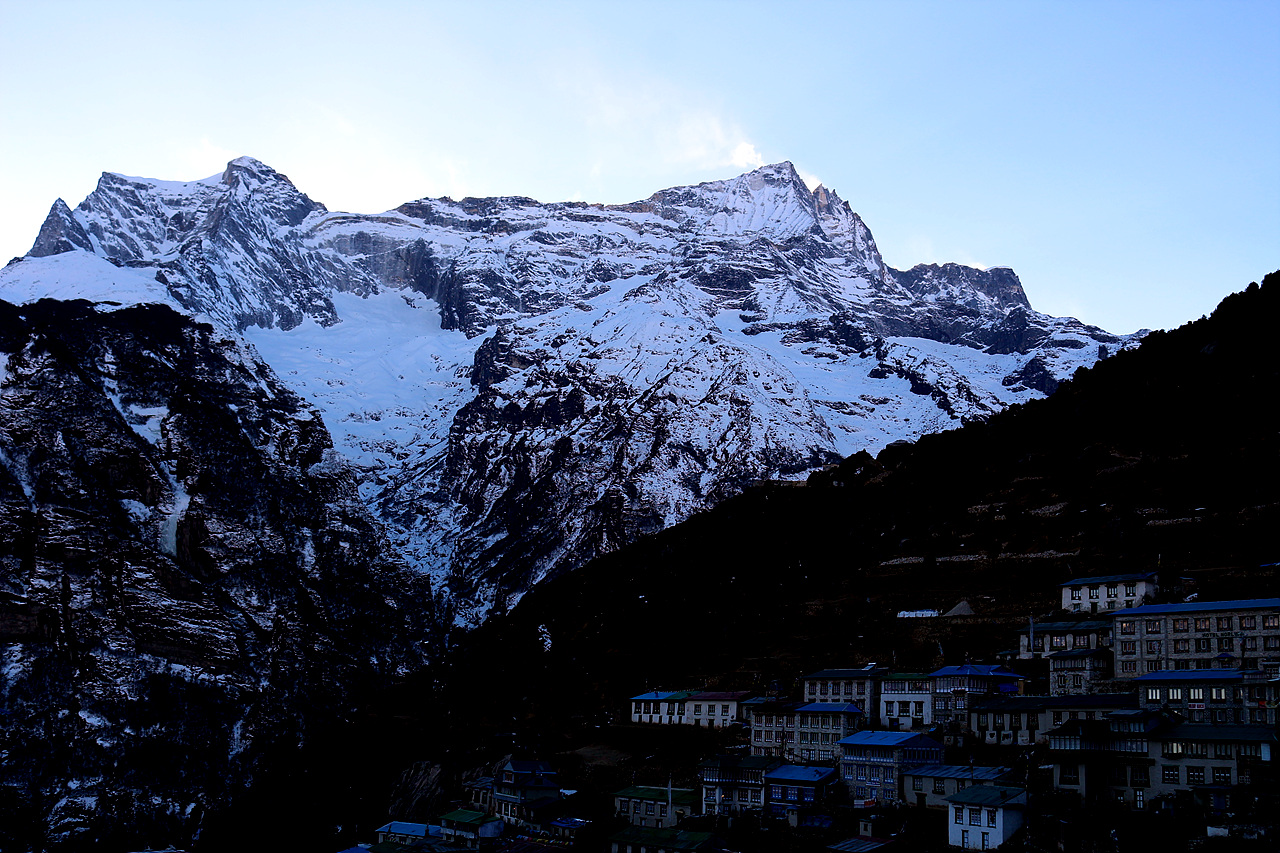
(1160, 458)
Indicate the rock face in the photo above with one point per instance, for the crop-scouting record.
(189, 577)
(527, 385)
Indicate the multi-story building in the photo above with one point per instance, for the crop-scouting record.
(860, 687)
(1140, 758)
(1108, 592)
(820, 726)
(469, 829)
(928, 785)
(734, 784)
(872, 763)
(522, 790)
(1214, 696)
(1023, 720)
(665, 707)
(650, 806)
(1078, 672)
(906, 701)
(954, 687)
(715, 710)
(1064, 635)
(983, 818)
(773, 725)
(1201, 635)
(792, 789)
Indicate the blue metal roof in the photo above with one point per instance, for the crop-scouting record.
(796, 773)
(983, 670)
(401, 828)
(887, 739)
(956, 771)
(1201, 606)
(655, 696)
(831, 708)
(1110, 579)
(1195, 675)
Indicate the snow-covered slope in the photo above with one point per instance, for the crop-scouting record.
(526, 385)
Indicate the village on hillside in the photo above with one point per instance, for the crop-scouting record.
(1115, 723)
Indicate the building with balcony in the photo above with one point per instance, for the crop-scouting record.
(906, 701)
(734, 784)
(1023, 720)
(523, 791)
(1142, 759)
(872, 763)
(954, 687)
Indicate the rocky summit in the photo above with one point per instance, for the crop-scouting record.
(522, 386)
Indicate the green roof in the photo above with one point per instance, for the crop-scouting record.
(667, 839)
(467, 816)
(989, 795)
(681, 796)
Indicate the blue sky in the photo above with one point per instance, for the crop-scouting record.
(1122, 157)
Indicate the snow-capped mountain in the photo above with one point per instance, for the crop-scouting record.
(526, 385)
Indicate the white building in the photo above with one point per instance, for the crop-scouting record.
(1108, 592)
(984, 817)
(906, 701)
(715, 710)
(663, 707)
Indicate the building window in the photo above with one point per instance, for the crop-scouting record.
(697, 709)
(1130, 589)
(917, 783)
(1129, 666)
(1140, 775)
(1154, 626)
(1112, 590)
(975, 816)
(1202, 623)
(1202, 644)
(1195, 775)
(1271, 621)
(1128, 626)
(1093, 592)
(1225, 644)
(1248, 623)
(1128, 647)
(1224, 623)
(1170, 774)
(1175, 694)
(991, 817)
(1069, 774)
(1153, 694)
(1075, 593)
(940, 787)
(1180, 626)
(1139, 798)
(1153, 647)
(1222, 775)
(1181, 646)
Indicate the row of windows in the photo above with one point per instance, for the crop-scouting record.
(1130, 590)
(874, 772)
(1171, 774)
(1157, 665)
(633, 806)
(975, 815)
(904, 709)
(939, 785)
(1183, 625)
(835, 688)
(1202, 644)
(743, 795)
